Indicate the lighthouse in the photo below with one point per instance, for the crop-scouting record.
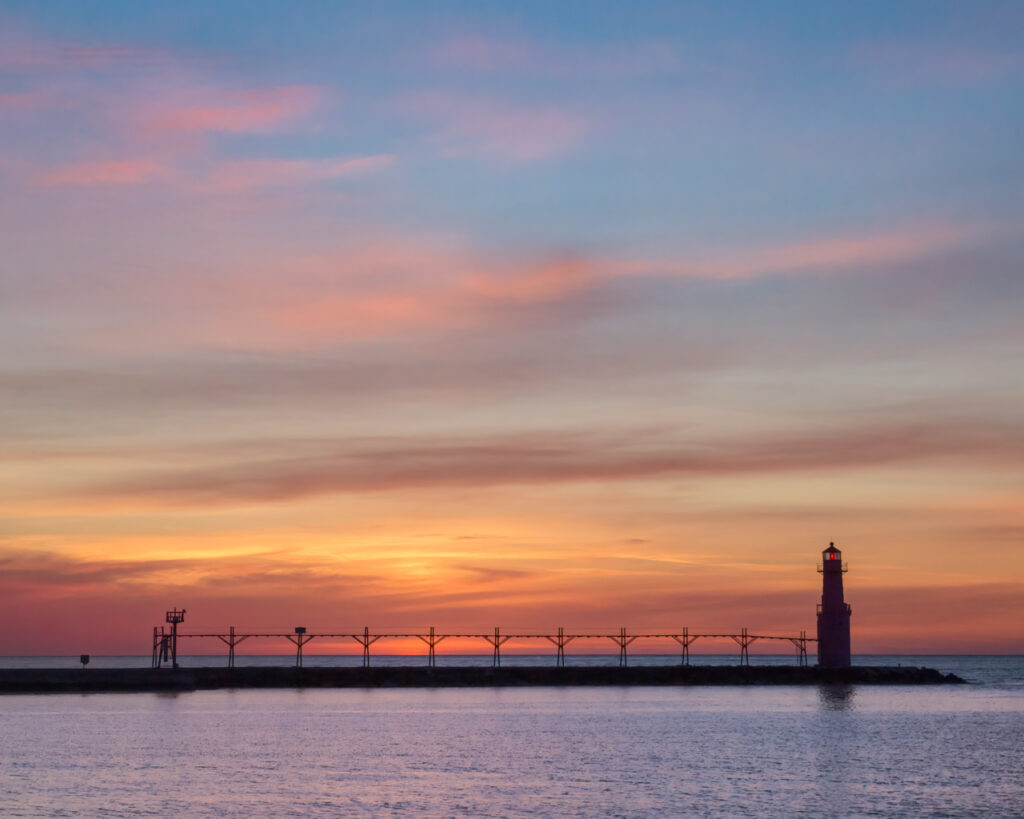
(833, 612)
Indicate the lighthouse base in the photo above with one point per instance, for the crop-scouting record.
(834, 638)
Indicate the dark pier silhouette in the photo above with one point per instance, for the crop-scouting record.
(38, 680)
(833, 659)
(164, 644)
(833, 634)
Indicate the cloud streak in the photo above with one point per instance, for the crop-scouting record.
(217, 178)
(107, 172)
(236, 112)
(470, 289)
(301, 469)
(819, 256)
(242, 175)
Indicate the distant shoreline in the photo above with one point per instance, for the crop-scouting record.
(85, 680)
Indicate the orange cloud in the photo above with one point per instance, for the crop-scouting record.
(259, 110)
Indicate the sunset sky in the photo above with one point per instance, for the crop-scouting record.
(518, 314)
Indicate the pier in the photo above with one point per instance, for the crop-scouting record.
(165, 642)
(833, 640)
(832, 649)
(86, 680)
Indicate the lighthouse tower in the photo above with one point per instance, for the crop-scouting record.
(833, 612)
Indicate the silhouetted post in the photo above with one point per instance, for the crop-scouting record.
(560, 642)
(366, 641)
(497, 641)
(621, 640)
(174, 616)
(684, 641)
(744, 640)
(161, 646)
(801, 647)
(300, 639)
(431, 642)
(231, 641)
(833, 612)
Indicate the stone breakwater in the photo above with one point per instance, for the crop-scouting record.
(76, 680)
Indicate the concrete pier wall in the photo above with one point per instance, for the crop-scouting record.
(30, 680)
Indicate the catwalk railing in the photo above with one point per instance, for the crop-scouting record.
(165, 643)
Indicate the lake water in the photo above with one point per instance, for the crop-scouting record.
(615, 751)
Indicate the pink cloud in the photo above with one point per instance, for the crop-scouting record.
(845, 251)
(259, 110)
(22, 50)
(108, 172)
(401, 285)
(473, 127)
(24, 101)
(394, 285)
(224, 177)
(545, 281)
(265, 173)
(815, 255)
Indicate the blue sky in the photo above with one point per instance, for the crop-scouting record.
(502, 304)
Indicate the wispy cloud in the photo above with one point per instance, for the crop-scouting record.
(220, 177)
(246, 174)
(480, 127)
(396, 285)
(107, 172)
(21, 50)
(446, 287)
(53, 574)
(312, 468)
(823, 256)
(233, 112)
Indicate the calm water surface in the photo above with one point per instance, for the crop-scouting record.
(616, 751)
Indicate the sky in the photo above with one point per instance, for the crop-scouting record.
(518, 314)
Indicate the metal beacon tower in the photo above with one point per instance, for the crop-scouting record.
(833, 612)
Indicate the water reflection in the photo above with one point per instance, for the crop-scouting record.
(836, 697)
